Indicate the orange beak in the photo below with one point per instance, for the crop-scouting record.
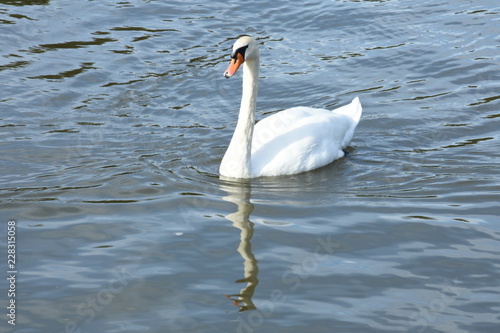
(234, 65)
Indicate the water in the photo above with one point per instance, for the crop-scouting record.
(115, 116)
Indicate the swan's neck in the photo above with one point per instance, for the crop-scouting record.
(237, 160)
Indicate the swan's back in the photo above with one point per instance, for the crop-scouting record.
(302, 139)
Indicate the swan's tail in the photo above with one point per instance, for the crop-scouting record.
(352, 110)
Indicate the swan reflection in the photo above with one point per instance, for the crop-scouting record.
(239, 193)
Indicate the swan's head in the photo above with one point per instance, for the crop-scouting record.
(244, 49)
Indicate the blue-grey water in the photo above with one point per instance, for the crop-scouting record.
(114, 118)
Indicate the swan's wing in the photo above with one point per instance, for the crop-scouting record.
(274, 126)
(302, 139)
(298, 140)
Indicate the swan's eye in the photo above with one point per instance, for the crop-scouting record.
(241, 51)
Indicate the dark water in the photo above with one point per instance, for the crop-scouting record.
(115, 116)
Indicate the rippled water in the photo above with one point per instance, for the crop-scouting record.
(114, 119)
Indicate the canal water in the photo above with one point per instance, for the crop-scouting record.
(115, 116)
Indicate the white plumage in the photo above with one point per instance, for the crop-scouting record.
(288, 142)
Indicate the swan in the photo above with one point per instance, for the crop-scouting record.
(288, 142)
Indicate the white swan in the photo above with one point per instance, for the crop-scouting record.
(288, 142)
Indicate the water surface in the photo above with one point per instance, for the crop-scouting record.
(114, 119)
